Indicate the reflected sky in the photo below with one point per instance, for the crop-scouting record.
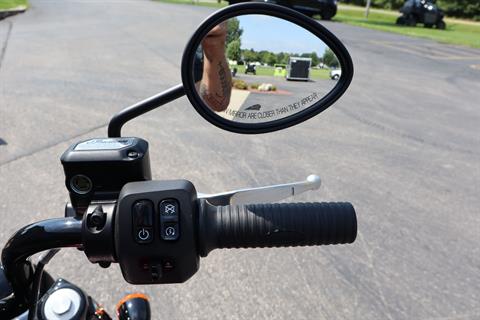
(261, 32)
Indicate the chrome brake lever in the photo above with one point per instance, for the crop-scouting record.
(262, 194)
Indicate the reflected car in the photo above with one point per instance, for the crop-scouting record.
(335, 74)
(325, 8)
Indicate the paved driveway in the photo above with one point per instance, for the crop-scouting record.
(402, 145)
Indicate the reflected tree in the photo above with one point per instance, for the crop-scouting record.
(330, 59)
(233, 50)
(234, 32)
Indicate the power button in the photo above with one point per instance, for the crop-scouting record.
(144, 235)
(142, 214)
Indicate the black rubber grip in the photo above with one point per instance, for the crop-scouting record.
(276, 225)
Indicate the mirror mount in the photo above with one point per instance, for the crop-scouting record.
(276, 11)
(118, 120)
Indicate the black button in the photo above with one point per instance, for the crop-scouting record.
(142, 213)
(144, 235)
(168, 265)
(169, 210)
(156, 272)
(170, 231)
(169, 219)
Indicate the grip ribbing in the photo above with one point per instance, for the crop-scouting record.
(276, 225)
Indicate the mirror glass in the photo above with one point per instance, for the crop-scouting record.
(257, 68)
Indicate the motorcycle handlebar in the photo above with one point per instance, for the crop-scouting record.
(235, 226)
(275, 225)
(29, 240)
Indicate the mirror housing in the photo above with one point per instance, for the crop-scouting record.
(271, 10)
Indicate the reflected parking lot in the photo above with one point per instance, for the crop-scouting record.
(249, 105)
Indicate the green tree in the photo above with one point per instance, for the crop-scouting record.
(234, 32)
(313, 56)
(315, 59)
(271, 59)
(249, 55)
(282, 58)
(266, 57)
(233, 50)
(330, 59)
(262, 56)
(287, 57)
(461, 8)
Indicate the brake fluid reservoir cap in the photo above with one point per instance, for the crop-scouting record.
(63, 304)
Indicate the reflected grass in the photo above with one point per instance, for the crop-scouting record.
(203, 3)
(268, 71)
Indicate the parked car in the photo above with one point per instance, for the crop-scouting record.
(335, 74)
(325, 8)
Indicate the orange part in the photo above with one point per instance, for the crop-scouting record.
(130, 297)
(100, 312)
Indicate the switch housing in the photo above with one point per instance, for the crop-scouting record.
(170, 254)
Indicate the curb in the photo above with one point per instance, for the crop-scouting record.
(10, 12)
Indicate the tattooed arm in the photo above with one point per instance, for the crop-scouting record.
(216, 84)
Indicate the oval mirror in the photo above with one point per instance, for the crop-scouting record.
(258, 71)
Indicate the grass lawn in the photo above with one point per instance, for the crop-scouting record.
(268, 71)
(205, 3)
(9, 4)
(320, 73)
(457, 32)
(261, 71)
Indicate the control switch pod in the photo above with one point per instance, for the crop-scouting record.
(155, 237)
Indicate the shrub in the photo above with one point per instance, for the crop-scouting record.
(240, 84)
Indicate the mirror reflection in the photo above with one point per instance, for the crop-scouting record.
(258, 68)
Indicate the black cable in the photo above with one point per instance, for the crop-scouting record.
(37, 281)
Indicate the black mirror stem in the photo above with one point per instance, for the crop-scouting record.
(139, 108)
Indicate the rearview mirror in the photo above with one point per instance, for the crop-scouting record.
(256, 67)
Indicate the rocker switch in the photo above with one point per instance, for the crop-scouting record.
(142, 214)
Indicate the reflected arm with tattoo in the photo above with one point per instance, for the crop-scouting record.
(216, 85)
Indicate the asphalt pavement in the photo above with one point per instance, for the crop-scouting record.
(403, 145)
